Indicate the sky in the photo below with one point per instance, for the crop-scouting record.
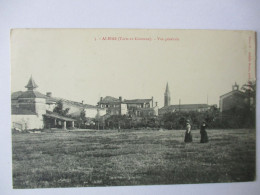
(86, 64)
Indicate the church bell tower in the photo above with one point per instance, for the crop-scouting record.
(167, 96)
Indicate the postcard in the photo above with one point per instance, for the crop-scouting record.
(124, 107)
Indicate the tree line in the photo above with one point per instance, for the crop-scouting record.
(236, 117)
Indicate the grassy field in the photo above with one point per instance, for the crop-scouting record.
(144, 157)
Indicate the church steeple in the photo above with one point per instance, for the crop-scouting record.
(167, 96)
(31, 85)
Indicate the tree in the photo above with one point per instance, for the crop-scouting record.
(99, 120)
(59, 109)
(250, 111)
(82, 119)
(118, 121)
(250, 90)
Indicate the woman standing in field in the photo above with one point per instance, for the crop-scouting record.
(188, 136)
(203, 133)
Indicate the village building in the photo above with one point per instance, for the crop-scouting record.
(133, 107)
(233, 99)
(28, 108)
(34, 110)
(112, 105)
(184, 108)
(168, 108)
(142, 107)
(90, 111)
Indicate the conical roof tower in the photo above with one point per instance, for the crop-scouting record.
(31, 85)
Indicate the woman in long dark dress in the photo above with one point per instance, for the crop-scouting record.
(188, 136)
(203, 133)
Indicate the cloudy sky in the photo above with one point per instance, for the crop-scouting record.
(80, 64)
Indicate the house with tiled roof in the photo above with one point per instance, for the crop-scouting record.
(233, 99)
(112, 105)
(184, 108)
(75, 108)
(34, 110)
(28, 108)
(142, 107)
(132, 107)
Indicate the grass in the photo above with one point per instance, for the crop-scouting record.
(111, 158)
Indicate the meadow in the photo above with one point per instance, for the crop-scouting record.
(131, 157)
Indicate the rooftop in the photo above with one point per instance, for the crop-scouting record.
(136, 101)
(15, 95)
(31, 94)
(109, 99)
(186, 106)
(73, 103)
(57, 116)
(233, 92)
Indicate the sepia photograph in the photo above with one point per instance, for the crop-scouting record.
(130, 107)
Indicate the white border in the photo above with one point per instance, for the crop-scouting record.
(167, 14)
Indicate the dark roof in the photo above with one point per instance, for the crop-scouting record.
(77, 104)
(31, 84)
(136, 101)
(21, 111)
(233, 92)
(57, 116)
(49, 100)
(110, 99)
(15, 95)
(32, 94)
(185, 106)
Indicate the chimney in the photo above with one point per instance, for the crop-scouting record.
(82, 101)
(49, 94)
(101, 98)
(156, 104)
(120, 98)
(152, 101)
